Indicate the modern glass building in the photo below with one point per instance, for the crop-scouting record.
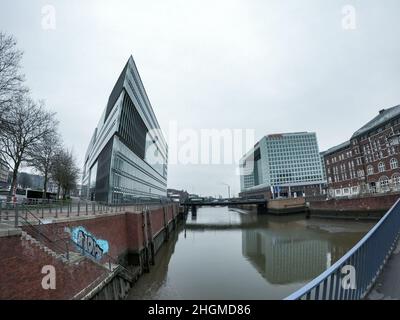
(127, 155)
(286, 162)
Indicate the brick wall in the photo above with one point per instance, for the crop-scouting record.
(157, 220)
(134, 228)
(21, 261)
(375, 203)
(123, 231)
(21, 264)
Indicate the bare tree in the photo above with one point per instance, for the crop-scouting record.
(65, 172)
(11, 80)
(43, 155)
(30, 123)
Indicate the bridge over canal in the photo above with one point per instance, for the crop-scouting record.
(195, 203)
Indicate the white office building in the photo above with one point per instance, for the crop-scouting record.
(287, 163)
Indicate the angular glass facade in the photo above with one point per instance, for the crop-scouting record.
(127, 156)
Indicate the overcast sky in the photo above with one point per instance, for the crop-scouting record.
(271, 66)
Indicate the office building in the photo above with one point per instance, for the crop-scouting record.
(288, 164)
(127, 155)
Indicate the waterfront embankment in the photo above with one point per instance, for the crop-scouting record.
(119, 247)
(371, 206)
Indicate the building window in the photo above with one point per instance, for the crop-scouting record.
(381, 167)
(396, 179)
(384, 183)
(360, 173)
(394, 163)
(370, 170)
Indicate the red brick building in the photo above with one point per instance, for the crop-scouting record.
(369, 161)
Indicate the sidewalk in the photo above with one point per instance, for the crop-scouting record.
(387, 287)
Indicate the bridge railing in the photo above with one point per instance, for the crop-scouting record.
(352, 277)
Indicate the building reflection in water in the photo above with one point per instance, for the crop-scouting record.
(221, 253)
(295, 255)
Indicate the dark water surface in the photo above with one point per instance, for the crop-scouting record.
(236, 254)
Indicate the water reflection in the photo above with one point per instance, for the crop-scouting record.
(297, 250)
(285, 260)
(229, 254)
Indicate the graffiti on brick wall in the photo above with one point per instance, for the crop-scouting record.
(88, 243)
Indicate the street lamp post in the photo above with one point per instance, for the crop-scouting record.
(229, 189)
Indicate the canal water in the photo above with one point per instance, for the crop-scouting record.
(227, 253)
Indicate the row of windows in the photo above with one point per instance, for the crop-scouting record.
(346, 191)
(294, 141)
(295, 174)
(296, 180)
(344, 177)
(296, 166)
(394, 164)
(384, 180)
(374, 146)
(292, 151)
(125, 184)
(341, 157)
(384, 183)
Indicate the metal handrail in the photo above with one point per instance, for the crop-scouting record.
(367, 257)
(63, 251)
(65, 241)
(51, 244)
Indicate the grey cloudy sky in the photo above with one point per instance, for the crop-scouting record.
(274, 66)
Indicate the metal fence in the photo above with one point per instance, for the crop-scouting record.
(365, 260)
(11, 213)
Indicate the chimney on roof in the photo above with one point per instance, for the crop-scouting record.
(382, 111)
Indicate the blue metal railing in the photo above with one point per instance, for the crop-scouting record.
(367, 259)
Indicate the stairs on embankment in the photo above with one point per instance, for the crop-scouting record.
(22, 266)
